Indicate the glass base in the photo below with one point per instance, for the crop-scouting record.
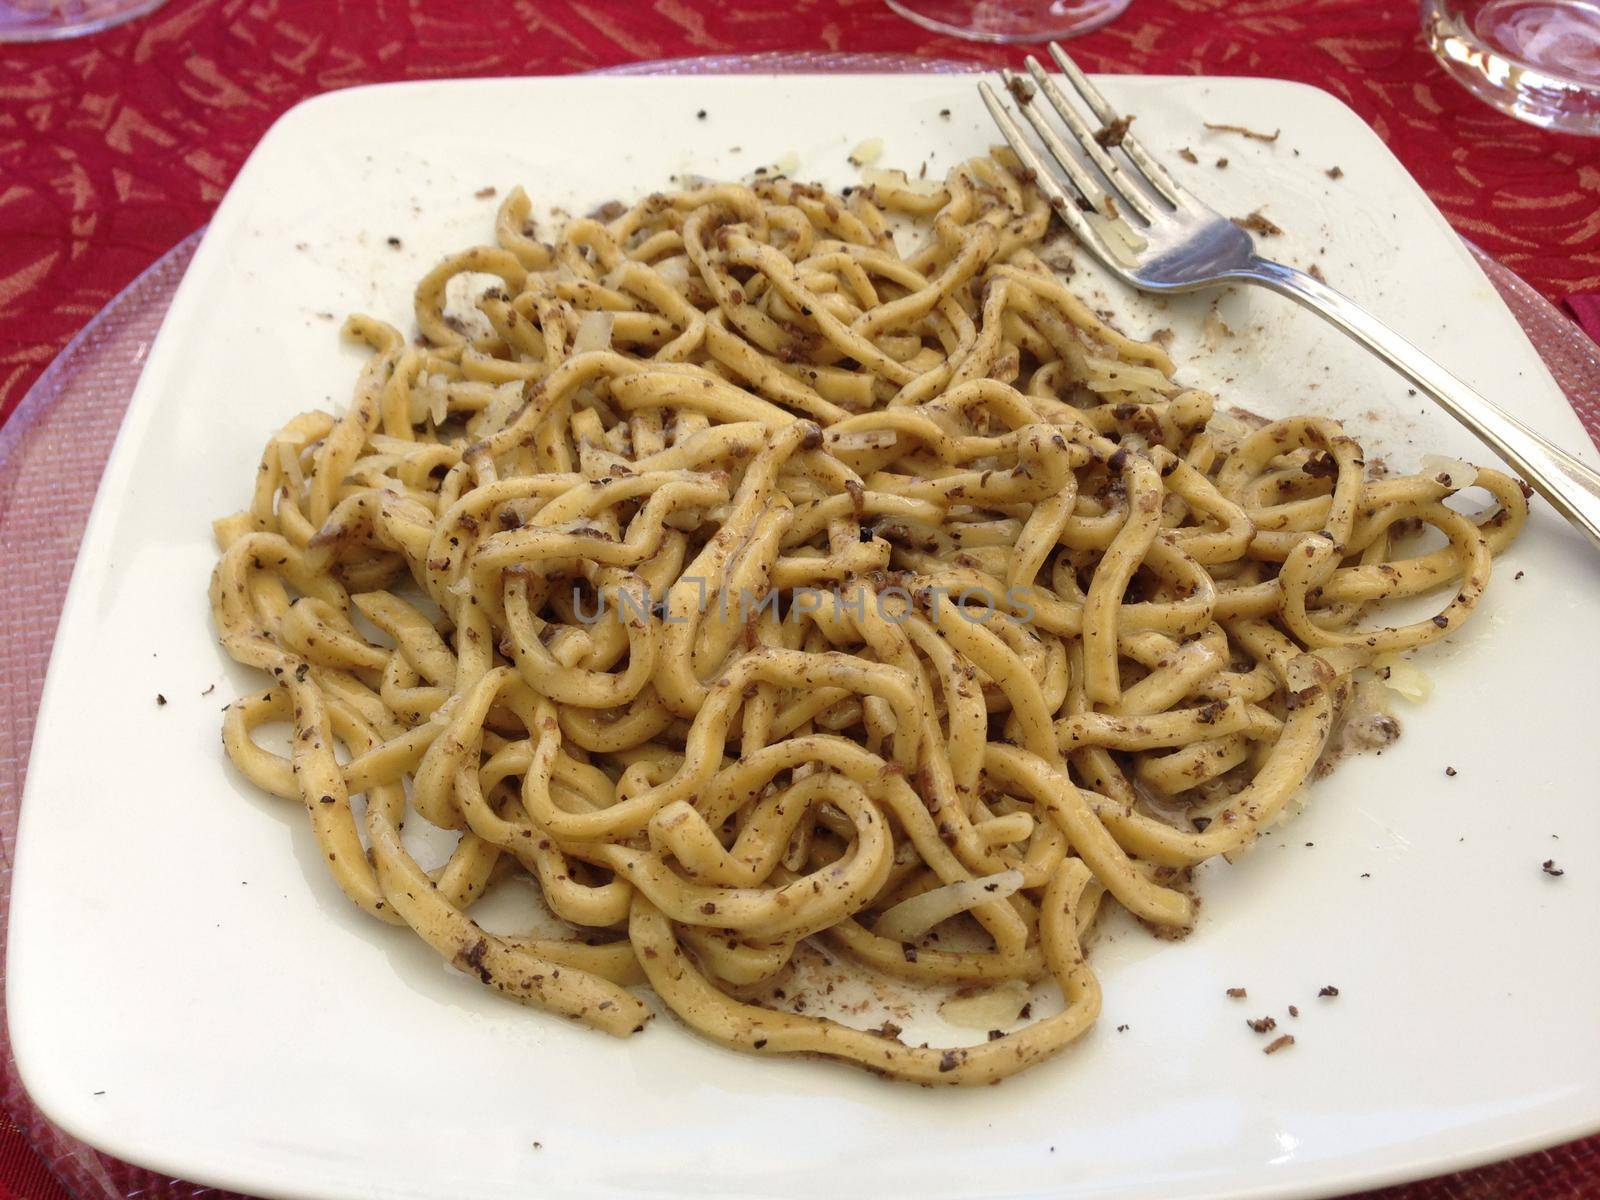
(48, 20)
(1010, 20)
(1537, 60)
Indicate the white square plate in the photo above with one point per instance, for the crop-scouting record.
(189, 991)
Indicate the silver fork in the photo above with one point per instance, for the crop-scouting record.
(1151, 232)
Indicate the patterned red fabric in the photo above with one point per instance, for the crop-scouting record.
(112, 148)
(1587, 310)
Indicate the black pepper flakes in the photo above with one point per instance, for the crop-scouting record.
(160, 700)
(1329, 991)
(1113, 132)
(1256, 223)
(1549, 868)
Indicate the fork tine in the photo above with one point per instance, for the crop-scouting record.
(1066, 206)
(1169, 187)
(1127, 190)
(1065, 159)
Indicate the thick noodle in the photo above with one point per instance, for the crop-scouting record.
(738, 577)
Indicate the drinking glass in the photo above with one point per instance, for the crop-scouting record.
(1010, 20)
(1538, 60)
(47, 20)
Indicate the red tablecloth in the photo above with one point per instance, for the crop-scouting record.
(114, 147)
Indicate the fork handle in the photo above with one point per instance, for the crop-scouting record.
(1571, 486)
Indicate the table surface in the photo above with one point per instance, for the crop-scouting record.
(114, 147)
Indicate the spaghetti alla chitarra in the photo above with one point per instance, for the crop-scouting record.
(743, 580)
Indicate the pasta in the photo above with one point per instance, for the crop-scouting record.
(745, 581)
